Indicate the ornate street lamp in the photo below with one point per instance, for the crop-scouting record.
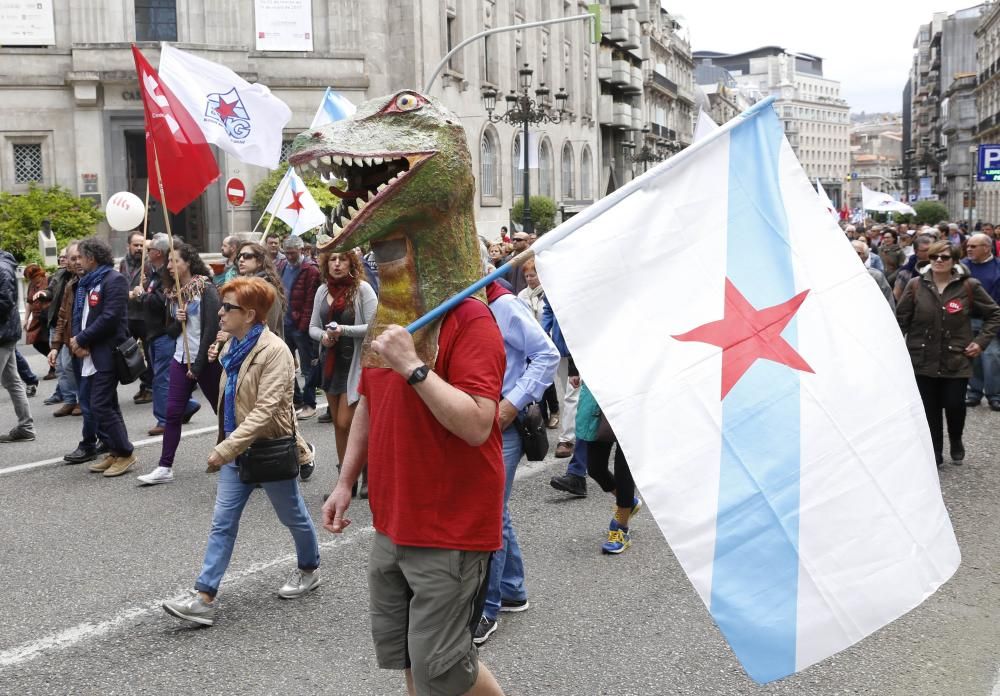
(522, 111)
(646, 154)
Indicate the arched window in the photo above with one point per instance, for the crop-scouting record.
(545, 169)
(517, 175)
(567, 171)
(585, 174)
(489, 164)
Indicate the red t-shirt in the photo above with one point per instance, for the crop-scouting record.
(426, 486)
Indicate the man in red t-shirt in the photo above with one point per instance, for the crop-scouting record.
(433, 445)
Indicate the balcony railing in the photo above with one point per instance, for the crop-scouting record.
(664, 82)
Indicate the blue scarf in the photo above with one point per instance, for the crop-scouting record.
(231, 362)
(83, 288)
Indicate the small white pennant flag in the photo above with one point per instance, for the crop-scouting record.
(294, 205)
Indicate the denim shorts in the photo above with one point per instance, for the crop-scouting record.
(425, 604)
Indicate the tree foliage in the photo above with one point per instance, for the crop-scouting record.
(266, 188)
(543, 212)
(21, 217)
(928, 213)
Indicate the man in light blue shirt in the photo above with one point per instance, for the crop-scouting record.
(532, 360)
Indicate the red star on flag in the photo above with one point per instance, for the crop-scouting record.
(225, 109)
(296, 204)
(747, 334)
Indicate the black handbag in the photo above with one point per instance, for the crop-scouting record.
(274, 459)
(129, 361)
(531, 428)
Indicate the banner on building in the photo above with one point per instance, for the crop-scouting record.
(26, 23)
(925, 188)
(283, 25)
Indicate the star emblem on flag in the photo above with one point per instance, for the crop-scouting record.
(296, 204)
(747, 334)
(225, 109)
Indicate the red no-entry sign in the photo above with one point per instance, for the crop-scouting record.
(236, 192)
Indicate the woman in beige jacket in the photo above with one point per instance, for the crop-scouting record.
(256, 404)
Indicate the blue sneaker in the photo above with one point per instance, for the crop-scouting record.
(619, 539)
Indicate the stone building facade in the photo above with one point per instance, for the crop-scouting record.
(809, 105)
(988, 105)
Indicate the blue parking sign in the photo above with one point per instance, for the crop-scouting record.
(989, 163)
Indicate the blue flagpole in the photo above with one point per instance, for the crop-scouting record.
(593, 211)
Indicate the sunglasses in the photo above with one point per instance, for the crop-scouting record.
(247, 255)
(940, 257)
(228, 307)
(520, 239)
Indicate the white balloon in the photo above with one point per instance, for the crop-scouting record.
(125, 211)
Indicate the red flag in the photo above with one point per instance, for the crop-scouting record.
(186, 161)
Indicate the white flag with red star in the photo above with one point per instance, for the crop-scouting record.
(294, 205)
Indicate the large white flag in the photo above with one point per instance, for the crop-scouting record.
(243, 119)
(294, 205)
(704, 126)
(883, 202)
(804, 522)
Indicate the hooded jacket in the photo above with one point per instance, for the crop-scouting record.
(10, 317)
(937, 325)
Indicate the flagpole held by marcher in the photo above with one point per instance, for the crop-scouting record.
(145, 228)
(170, 238)
(284, 188)
(591, 213)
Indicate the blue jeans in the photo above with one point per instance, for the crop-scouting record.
(67, 379)
(91, 433)
(24, 369)
(308, 364)
(578, 462)
(161, 354)
(507, 568)
(230, 499)
(985, 369)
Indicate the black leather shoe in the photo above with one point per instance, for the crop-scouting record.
(570, 483)
(101, 449)
(957, 452)
(995, 404)
(972, 403)
(80, 455)
(938, 459)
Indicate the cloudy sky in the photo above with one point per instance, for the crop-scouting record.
(867, 46)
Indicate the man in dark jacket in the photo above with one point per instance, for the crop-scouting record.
(65, 392)
(100, 322)
(300, 278)
(131, 267)
(10, 332)
(984, 267)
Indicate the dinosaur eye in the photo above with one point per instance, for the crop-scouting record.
(407, 101)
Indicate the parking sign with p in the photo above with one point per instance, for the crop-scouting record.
(989, 163)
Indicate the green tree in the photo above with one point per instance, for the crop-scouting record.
(543, 212)
(21, 217)
(266, 188)
(929, 212)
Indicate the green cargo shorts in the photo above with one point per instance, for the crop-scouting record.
(424, 604)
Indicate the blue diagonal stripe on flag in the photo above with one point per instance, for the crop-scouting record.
(755, 576)
(333, 107)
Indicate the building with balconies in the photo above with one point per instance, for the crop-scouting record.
(988, 104)
(876, 156)
(809, 105)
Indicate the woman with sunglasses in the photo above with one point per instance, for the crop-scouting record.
(935, 313)
(343, 306)
(253, 261)
(194, 308)
(256, 405)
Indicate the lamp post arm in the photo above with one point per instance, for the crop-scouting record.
(497, 30)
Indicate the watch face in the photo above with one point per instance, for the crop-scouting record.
(418, 375)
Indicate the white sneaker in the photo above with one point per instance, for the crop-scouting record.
(160, 474)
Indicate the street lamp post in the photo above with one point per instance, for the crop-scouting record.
(646, 154)
(522, 111)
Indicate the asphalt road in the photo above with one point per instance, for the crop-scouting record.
(85, 562)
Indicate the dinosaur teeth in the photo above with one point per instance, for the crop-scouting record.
(337, 159)
(328, 161)
(360, 203)
(367, 161)
(351, 211)
(380, 187)
(335, 229)
(376, 160)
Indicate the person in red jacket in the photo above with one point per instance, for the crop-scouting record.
(300, 278)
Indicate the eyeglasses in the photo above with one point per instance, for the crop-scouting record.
(520, 239)
(247, 255)
(228, 307)
(940, 257)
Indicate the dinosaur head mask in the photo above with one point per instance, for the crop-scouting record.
(409, 194)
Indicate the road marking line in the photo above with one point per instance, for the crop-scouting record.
(138, 443)
(70, 637)
(996, 685)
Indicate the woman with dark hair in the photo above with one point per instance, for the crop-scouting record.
(935, 313)
(194, 306)
(892, 255)
(343, 306)
(256, 405)
(252, 260)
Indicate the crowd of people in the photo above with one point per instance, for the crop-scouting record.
(278, 322)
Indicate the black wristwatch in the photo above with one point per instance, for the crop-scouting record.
(418, 375)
